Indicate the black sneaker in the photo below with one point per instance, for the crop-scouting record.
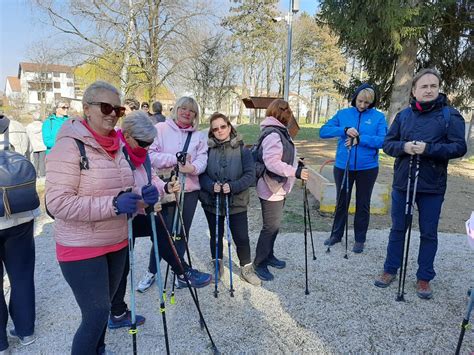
(331, 241)
(196, 278)
(125, 320)
(276, 263)
(263, 273)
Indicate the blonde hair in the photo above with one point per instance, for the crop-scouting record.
(367, 94)
(189, 103)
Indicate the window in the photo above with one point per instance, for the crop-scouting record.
(57, 96)
(41, 95)
(57, 85)
(69, 84)
(69, 75)
(56, 74)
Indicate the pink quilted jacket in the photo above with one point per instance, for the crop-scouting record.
(170, 139)
(81, 200)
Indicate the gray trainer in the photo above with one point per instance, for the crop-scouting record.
(247, 273)
(24, 340)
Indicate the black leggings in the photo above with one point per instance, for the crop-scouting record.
(142, 228)
(190, 202)
(240, 233)
(93, 283)
(272, 212)
(364, 181)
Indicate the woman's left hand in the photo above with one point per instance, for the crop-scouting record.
(173, 187)
(150, 194)
(226, 188)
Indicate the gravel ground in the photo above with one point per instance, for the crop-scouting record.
(344, 312)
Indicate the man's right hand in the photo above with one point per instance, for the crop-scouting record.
(408, 148)
(217, 188)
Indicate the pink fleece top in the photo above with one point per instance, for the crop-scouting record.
(169, 140)
(267, 188)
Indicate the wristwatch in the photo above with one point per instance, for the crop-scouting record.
(115, 207)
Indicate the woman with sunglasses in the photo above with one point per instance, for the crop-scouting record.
(171, 139)
(230, 172)
(90, 194)
(136, 136)
(53, 124)
(278, 154)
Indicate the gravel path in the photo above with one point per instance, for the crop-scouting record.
(343, 313)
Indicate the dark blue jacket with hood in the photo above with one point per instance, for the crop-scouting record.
(424, 121)
(372, 129)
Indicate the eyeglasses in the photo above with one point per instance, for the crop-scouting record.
(65, 107)
(145, 106)
(142, 144)
(107, 108)
(216, 129)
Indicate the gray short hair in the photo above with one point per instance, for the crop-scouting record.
(188, 102)
(91, 90)
(423, 72)
(139, 126)
(157, 107)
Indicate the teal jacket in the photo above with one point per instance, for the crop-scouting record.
(50, 129)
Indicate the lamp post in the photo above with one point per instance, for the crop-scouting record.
(293, 9)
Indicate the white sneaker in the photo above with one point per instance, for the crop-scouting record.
(147, 281)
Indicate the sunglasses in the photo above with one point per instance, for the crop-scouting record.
(215, 129)
(107, 108)
(142, 144)
(65, 107)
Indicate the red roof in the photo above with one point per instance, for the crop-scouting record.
(14, 83)
(36, 67)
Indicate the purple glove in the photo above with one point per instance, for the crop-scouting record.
(126, 202)
(150, 194)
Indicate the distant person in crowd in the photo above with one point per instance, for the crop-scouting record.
(278, 154)
(360, 130)
(433, 132)
(131, 105)
(19, 141)
(17, 259)
(170, 140)
(230, 172)
(53, 124)
(136, 136)
(157, 113)
(90, 206)
(145, 107)
(37, 147)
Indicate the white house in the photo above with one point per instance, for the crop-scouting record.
(38, 83)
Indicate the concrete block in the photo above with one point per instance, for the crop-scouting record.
(323, 189)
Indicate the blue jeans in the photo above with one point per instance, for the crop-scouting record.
(17, 254)
(429, 209)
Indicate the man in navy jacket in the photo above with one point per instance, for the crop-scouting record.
(432, 131)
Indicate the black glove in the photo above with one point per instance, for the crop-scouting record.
(298, 171)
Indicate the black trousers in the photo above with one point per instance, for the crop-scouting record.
(142, 228)
(17, 254)
(364, 181)
(189, 208)
(272, 212)
(93, 283)
(240, 233)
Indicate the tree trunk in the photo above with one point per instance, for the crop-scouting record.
(405, 67)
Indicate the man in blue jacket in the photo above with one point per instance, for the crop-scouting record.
(433, 131)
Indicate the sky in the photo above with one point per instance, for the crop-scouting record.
(21, 26)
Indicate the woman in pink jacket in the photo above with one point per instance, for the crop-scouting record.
(278, 154)
(136, 136)
(90, 194)
(178, 134)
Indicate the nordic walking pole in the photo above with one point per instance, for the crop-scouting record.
(133, 328)
(339, 198)
(309, 219)
(306, 292)
(229, 244)
(409, 206)
(348, 199)
(465, 321)
(196, 303)
(217, 246)
(159, 282)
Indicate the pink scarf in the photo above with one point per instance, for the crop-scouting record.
(137, 155)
